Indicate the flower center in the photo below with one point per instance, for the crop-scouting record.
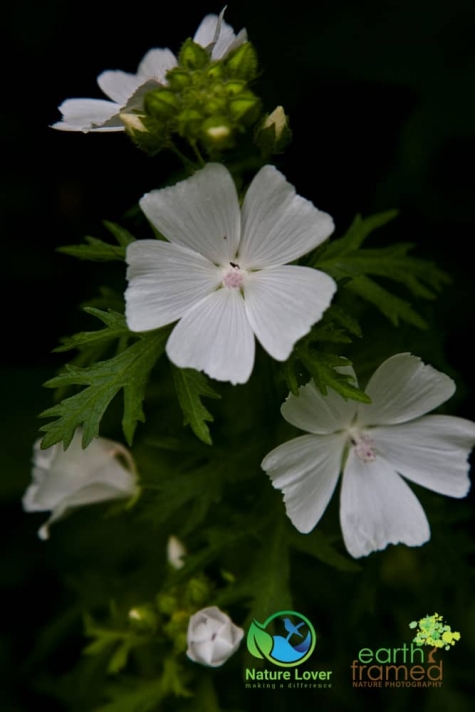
(363, 446)
(233, 276)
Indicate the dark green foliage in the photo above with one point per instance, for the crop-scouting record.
(100, 251)
(351, 265)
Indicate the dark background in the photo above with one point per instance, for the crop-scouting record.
(381, 101)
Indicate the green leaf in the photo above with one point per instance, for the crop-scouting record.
(268, 579)
(393, 307)
(190, 385)
(351, 266)
(259, 642)
(116, 327)
(100, 251)
(322, 368)
(143, 696)
(129, 371)
(357, 233)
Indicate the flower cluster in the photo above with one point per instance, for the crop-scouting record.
(126, 91)
(203, 95)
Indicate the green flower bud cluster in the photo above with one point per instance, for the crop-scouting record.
(204, 101)
(169, 614)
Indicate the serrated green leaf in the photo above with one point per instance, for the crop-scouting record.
(340, 316)
(357, 233)
(393, 307)
(190, 385)
(116, 327)
(99, 251)
(123, 236)
(351, 266)
(322, 368)
(129, 371)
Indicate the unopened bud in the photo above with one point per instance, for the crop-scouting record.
(178, 79)
(245, 107)
(198, 591)
(167, 603)
(193, 56)
(144, 618)
(274, 134)
(217, 133)
(235, 87)
(189, 121)
(175, 552)
(133, 122)
(161, 104)
(242, 62)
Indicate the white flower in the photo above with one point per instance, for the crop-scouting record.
(212, 637)
(224, 274)
(65, 479)
(176, 551)
(373, 445)
(127, 91)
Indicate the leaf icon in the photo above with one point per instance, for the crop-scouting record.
(259, 642)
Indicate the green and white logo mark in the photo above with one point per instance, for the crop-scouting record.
(286, 638)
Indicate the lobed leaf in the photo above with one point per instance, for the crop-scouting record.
(190, 385)
(127, 372)
(100, 251)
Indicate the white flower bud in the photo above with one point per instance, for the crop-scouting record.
(175, 552)
(212, 637)
(133, 122)
(66, 479)
(278, 119)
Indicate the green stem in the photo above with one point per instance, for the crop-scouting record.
(187, 164)
(197, 152)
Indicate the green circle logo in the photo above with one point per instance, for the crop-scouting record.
(286, 638)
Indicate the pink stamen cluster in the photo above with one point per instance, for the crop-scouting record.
(234, 277)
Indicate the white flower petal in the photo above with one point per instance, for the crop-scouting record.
(63, 479)
(378, 508)
(117, 85)
(214, 32)
(201, 213)
(403, 388)
(206, 32)
(212, 637)
(155, 64)
(215, 337)
(282, 304)
(165, 281)
(432, 451)
(277, 224)
(306, 469)
(316, 413)
(91, 494)
(89, 115)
